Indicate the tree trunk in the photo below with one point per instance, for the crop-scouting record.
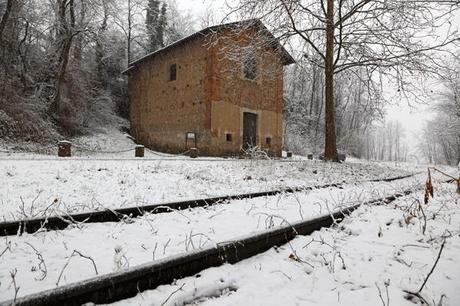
(61, 75)
(330, 151)
(312, 97)
(66, 34)
(100, 51)
(23, 55)
(128, 51)
(5, 16)
(78, 41)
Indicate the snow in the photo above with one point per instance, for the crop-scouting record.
(375, 243)
(373, 250)
(38, 185)
(114, 246)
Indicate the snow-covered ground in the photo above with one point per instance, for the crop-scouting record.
(44, 260)
(374, 257)
(35, 185)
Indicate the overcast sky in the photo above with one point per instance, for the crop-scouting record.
(412, 117)
(199, 7)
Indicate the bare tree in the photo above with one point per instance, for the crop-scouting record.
(6, 14)
(179, 24)
(65, 34)
(128, 19)
(49, 71)
(383, 142)
(357, 108)
(99, 48)
(387, 38)
(440, 141)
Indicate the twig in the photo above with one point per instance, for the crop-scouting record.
(172, 293)
(171, 210)
(146, 218)
(448, 175)
(380, 294)
(154, 250)
(424, 218)
(418, 293)
(7, 248)
(434, 266)
(68, 261)
(166, 245)
(87, 257)
(41, 264)
(297, 258)
(13, 280)
(344, 267)
(299, 205)
(279, 271)
(387, 284)
(119, 255)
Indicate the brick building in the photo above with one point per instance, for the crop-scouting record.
(219, 90)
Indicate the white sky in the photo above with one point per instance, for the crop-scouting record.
(411, 118)
(198, 7)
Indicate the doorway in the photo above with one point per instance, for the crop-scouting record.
(249, 130)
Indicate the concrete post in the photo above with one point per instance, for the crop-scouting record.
(193, 152)
(139, 151)
(64, 148)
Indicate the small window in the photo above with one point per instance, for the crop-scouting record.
(229, 137)
(190, 140)
(190, 135)
(173, 72)
(268, 140)
(250, 67)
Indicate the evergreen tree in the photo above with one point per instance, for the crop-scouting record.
(156, 23)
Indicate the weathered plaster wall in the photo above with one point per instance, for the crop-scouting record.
(208, 98)
(163, 111)
(234, 94)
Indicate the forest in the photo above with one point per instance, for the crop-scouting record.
(62, 61)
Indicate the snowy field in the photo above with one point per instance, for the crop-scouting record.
(38, 185)
(47, 259)
(374, 257)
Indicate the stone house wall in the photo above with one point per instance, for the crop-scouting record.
(208, 98)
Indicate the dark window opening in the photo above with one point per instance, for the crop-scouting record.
(250, 67)
(173, 72)
(229, 137)
(268, 140)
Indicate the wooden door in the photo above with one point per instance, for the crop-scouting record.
(249, 130)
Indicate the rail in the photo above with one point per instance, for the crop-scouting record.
(117, 286)
(58, 222)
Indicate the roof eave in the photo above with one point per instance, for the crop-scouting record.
(128, 70)
(288, 59)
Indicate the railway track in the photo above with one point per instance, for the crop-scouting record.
(121, 285)
(114, 215)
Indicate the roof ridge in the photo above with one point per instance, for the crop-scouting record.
(203, 31)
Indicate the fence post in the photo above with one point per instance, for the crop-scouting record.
(64, 148)
(310, 156)
(193, 152)
(288, 154)
(139, 151)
